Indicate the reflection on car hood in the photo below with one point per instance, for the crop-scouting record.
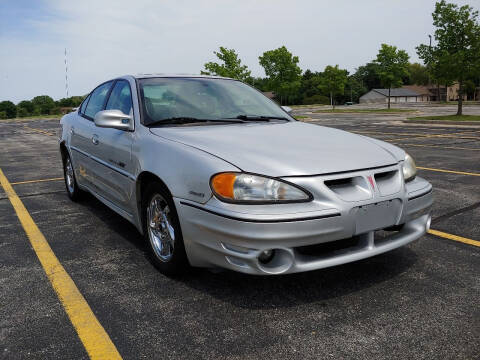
(284, 149)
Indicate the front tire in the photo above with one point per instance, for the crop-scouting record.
(73, 191)
(162, 231)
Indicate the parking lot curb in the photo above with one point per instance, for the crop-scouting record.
(443, 122)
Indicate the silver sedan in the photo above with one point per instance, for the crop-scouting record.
(214, 174)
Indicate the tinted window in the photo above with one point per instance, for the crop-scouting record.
(120, 98)
(84, 104)
(97, 99)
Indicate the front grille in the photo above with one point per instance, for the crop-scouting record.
(328, 248)
(332, 248)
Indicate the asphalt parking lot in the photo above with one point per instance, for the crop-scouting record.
(419, 301)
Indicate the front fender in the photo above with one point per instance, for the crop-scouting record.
(185, 170)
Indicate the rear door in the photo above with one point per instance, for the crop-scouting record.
(82, 143)
(112, 153)
(77, 143)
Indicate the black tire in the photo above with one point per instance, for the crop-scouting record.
(73, 191)
(177, 262)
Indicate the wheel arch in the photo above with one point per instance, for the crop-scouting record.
(63, 150)
(143, 179)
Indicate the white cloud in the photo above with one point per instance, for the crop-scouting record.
(109, 38)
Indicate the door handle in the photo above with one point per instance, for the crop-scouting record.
(95, 139)
(72, 130)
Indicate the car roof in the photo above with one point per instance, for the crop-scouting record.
(169, 75)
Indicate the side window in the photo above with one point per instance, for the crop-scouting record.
(97, 99)
(120, 97)
(84, 104)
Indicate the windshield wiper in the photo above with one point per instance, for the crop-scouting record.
(259, 117)
(188, 120)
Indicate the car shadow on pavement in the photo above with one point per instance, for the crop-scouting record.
(115, 225)
(265, 292)
(282, 291)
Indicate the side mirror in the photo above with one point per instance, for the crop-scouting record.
(114, 119)
(288, 109)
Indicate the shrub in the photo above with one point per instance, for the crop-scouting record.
(22, 112)
(9, 108)
(25, 104)
(55, 111)
(44, 103)
(316, 99)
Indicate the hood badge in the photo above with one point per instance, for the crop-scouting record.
(371, 181)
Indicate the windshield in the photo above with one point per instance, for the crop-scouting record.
(203, 98)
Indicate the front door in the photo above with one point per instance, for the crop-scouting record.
(111, 152)
(82, 141)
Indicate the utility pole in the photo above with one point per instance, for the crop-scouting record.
(66, 73)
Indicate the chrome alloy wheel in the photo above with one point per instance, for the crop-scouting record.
(70, 180)
(161, 232)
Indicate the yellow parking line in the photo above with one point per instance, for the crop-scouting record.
(96, 341)
(35, 181)
(454, 237)
(448, 171)
(39, 130)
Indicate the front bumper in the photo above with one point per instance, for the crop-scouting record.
(234, 240)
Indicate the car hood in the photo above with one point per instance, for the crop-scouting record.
(283, 149)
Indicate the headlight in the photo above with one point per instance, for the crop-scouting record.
(409, 168)
(248, 188)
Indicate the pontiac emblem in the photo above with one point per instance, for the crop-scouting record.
(371, 181)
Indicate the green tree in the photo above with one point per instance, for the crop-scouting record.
(260, 83)
(64, 102)
(309, 85)
(25, 108)
(368, 76)
(43, 104)
(77, 100)
(392, 67)
(282, 72)
(333, 82)
(230, 66)
(470, 89)
(457, 52)
(418, 74)
(9, 109)
(354, 89)
(22, 112)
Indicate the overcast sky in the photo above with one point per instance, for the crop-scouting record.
(105, 39)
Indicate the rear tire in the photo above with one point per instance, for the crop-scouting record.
(162, 231)
(73, 191)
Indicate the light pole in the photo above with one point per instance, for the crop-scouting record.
(428, 67)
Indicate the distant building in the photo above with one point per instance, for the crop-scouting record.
(398, 95)
(424, 92)
(412, 93)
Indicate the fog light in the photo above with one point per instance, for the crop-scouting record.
(265, 256)
(429, 222)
